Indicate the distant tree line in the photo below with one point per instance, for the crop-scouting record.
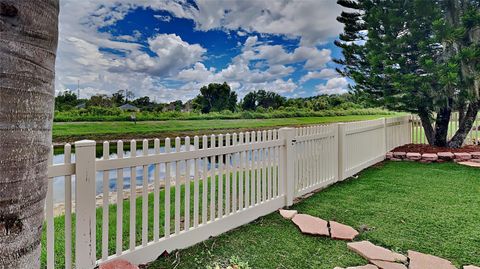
(213, 97)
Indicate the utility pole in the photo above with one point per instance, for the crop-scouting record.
(78, 89)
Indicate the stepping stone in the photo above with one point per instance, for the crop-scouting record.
(288, 214)
(388, 265)
(311, 225)
(389, 155)
(462, 156)
(118, 264)
(342, 231)
(471, 267)
(368, 266)
(414, 156)
(431, 157)
(421, 261)
(371, 252)
(447, 156)
(470, 163)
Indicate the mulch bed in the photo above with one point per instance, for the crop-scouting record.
(422, 148)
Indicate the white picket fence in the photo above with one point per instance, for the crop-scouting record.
(199, 190)
(473, 137)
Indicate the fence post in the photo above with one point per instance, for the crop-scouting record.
(410, 129)
(85, 246)
(335, 152)
(385, 144)
(287, 158)
(341, 152)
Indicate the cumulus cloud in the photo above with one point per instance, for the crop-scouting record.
(333, 86)
(313, 21)
(107, 62)
(326, 73)
(171, 55)
(277, 55)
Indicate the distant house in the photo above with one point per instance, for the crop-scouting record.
(169, 107)
(129, 107)
(188, 106)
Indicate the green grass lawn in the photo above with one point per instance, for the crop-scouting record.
(59, 222)
(432, 208)
(71, 131)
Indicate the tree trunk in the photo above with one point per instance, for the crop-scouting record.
(465, 126)
(441, 127)
(28, 43)
(427, 126)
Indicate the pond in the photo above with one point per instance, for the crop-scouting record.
(59, 182)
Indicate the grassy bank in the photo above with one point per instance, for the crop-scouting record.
(115, 114)
(71, 131)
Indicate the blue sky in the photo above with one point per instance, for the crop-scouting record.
(168, 49)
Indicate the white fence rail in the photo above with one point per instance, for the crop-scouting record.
(188, 191)
(316, 163)
(473, 137)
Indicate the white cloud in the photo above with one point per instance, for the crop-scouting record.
(241, 33)
(163, 18)
(80, 55)
(313, 21)
(240, 77)
(276, 54)
(197, 73)
(326, 73)
(250, 42)
(333, 86)
(171, 55)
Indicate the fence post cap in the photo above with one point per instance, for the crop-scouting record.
(85, 143)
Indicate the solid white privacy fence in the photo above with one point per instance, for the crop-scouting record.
(139, 202)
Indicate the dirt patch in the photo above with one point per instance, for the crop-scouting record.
(422, 148)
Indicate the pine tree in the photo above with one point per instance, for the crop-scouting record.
(399, 53)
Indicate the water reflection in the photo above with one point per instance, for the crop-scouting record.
(59, 183)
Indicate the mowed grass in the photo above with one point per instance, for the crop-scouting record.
(59, 221)
(70, 131)
(431, 208)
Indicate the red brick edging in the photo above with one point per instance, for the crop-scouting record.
(434, 157)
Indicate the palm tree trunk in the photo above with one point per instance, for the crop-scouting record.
(28, 43)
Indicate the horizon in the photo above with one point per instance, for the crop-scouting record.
(167, 50)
